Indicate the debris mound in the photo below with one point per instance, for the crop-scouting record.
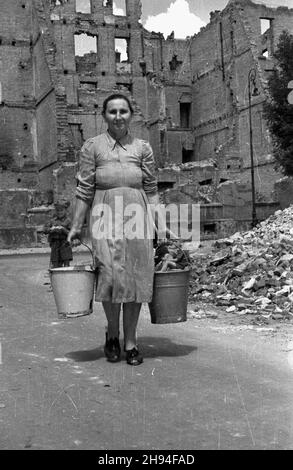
(250, 272)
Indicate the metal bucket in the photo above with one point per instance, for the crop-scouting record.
(170, 296)
(73, 289)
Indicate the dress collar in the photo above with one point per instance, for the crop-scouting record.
(113, 142)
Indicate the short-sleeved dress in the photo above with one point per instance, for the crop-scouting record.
(115, 178)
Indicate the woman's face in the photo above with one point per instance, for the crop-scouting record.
(118, 116)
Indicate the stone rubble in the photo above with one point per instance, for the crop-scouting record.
(250, 272)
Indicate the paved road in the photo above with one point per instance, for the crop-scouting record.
(204, 384)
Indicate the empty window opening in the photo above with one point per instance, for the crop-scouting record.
(119, 8)
(90, 86)
(121, 50)
(205, 182)
(117, 56)
(175, 64)
(85, 44)
(210, 228)
(232, 39)
(5, 161)
(185, 112)
(265, 24)
(187, 155)
(265, 53)
(163, 185)
(83, 6)
(77, 138)
(124, 87)
(162, 142)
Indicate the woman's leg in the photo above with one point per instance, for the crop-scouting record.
(112, 312)
(112, 348)
(131, 312)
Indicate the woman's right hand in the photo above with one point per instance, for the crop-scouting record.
(80, 211)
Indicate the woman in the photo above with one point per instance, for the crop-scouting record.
(116, 172)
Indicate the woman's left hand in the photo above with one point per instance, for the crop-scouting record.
(74, 237)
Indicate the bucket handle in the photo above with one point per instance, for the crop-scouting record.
(90, 250)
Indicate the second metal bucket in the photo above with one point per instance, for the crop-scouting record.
(170, 296)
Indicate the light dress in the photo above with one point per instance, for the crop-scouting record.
(115, 178)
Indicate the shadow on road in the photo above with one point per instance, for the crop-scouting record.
(150, 346)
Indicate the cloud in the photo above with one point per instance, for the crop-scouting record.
(178, 18)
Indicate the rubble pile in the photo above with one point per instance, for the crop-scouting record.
(212, 163)
(251, 272)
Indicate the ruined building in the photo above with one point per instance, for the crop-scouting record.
(190, 99)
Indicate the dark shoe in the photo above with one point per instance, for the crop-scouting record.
(112, 349)
(133, 357)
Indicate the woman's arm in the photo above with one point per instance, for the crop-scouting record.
(80, 212)
(85, 190)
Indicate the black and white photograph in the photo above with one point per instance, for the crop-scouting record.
(146, 229)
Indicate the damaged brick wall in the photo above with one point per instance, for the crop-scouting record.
(153, 70)
(236, 44)
(190, 98)
(27, 120)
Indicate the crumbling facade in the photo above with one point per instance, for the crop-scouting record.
(190, 99)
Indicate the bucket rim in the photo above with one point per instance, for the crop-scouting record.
(77, 268)
(174, 271)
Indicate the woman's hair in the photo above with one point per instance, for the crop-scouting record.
(117, 96)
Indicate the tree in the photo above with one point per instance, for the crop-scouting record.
(278, 110)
